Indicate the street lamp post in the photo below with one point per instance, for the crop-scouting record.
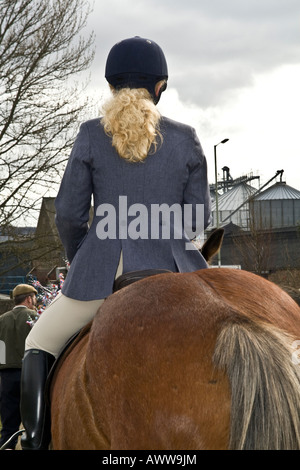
(216, 190)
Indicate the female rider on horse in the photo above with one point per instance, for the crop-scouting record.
(140, 169)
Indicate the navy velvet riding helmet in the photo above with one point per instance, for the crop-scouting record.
(137, 63)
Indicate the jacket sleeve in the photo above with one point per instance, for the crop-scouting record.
(196, 198)
(73, 201)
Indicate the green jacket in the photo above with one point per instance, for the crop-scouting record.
(13, 332)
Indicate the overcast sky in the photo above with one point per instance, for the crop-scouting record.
(234, 72)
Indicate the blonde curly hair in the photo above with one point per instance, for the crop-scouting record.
(131, 119)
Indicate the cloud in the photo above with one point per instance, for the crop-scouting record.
(261, 122)
(212, 47)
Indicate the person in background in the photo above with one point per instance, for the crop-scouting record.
(14, 328)
(131, 156)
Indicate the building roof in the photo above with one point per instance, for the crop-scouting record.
(46, 222)
(278, 191)
(232, 199)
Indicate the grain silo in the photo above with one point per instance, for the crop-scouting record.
(276, 207)
(233, 206)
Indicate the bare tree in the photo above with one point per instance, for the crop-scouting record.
(41, 51)
(254, 246)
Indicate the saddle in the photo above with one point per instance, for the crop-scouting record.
(133, 276)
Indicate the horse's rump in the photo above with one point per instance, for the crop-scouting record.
(149, 374)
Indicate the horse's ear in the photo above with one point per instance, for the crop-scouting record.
(212, 244)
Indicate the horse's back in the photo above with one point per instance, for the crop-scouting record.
(149, 355)
(144, 378)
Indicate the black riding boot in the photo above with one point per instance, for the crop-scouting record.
(35, 414)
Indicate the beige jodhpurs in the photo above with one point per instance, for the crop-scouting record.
(61, 320)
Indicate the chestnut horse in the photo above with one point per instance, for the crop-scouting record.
(183, 361)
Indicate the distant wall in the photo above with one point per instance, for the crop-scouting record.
(5, 305)
(273, 250)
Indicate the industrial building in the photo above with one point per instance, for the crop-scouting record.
(262, 225)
